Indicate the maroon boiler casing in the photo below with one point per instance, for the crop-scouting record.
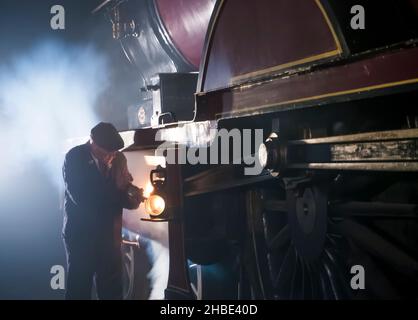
(186, 22)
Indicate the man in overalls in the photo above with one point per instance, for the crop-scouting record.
(98, 186)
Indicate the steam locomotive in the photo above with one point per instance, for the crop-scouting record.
(336, 106)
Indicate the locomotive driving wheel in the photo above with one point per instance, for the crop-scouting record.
(302, 244)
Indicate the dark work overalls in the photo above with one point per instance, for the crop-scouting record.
(92, 228)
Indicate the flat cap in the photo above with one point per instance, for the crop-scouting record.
(107, 137)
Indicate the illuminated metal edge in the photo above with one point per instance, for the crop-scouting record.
(101, 6)
(128, 137)
(369, 166)
(262, 155)
(362, 137)
(155, 161)
(156, 220)
(131, 243)
(194, 134)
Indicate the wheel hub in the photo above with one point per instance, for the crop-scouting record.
(308, 220)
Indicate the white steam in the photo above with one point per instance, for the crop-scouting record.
(47, 95)
(158, 275)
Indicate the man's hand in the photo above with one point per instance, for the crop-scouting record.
(134, 197)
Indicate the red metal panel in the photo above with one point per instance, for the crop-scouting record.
(380, 72)
(266, 35)
(186, 22)
(414, 4)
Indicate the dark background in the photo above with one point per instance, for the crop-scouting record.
(30, 214)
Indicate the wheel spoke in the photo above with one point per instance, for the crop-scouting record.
(334, 288)
(298, 280)
(380, 247)
(340, 271)
(302, 268)
(336, 278)
(333, 241)
(276, 206)
(280, 239)
(377, 283)
(308, 287)
(284, 278)
(333, 230)
(325, 283)
(375, 210)
(317, 292)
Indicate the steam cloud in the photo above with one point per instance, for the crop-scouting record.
(47, 95)
(158, 275)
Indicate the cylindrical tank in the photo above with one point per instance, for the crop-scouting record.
(162, 36)
(186, 22)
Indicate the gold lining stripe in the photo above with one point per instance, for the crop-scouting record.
(326, 95)
(208, 45)
(330, 26)
(285, 66)
(317, 57)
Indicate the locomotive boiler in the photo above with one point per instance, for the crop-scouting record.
(336, 107)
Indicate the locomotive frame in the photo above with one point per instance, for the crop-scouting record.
(339, 187)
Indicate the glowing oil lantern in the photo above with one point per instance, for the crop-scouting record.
(154, 192)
